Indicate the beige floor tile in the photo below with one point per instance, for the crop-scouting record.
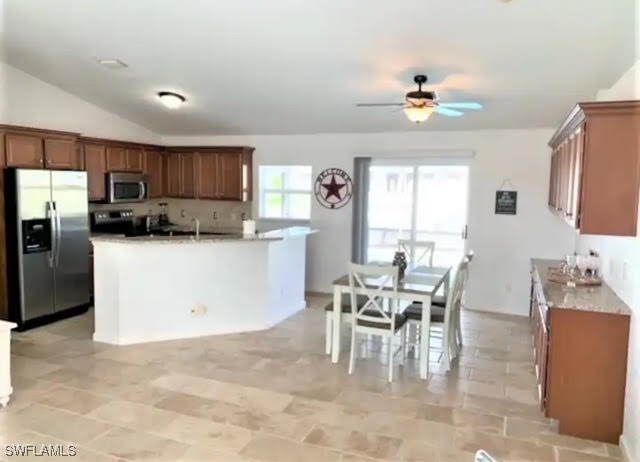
(568, 455)
(132, 415)
(135, 445)
(71, 399)
(327, 413)
(217, 411)
(231, 393)
(461, 418)
(354, 441)
(273, 449)
(503, 448)
(434, 433)
(195, 431)
(60, 424)
(375, 402)
(523, 394)
(419, 451)
(547, 434)
(257, 396)
(503, 407)
(209, 454)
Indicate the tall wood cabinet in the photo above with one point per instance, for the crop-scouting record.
(595, 168)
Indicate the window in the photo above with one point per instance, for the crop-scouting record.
(285, 192)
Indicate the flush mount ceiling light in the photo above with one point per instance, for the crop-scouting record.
(171, 100)
(112, 63)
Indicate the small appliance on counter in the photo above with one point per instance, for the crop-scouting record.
(47, 245)
(163, 218)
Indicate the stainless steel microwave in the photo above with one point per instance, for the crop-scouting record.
(126, 187)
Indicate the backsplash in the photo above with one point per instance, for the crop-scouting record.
(228, 214)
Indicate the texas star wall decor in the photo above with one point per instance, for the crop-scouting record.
(333, 188)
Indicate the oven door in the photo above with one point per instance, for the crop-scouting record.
(126, 187)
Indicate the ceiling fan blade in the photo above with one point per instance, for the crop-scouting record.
(474, 106)
(379, 104)
(448, 112)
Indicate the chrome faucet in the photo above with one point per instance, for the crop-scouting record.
(197, 222)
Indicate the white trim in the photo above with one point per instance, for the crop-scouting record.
(422, 161)
(420, 154)
(625, 450)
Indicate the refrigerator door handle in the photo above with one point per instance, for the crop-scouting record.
(52, 225)
(58, 233)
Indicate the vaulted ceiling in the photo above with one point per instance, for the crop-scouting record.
(294, 66)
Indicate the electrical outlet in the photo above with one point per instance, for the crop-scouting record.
(243, 217)
(215, 215)
(182, 213)
(199, 309)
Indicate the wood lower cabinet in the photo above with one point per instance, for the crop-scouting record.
(61, 154)
(116, 159)
(154, 168)
(595, 168)
(26, 151)
(580, 360)
(95, 161)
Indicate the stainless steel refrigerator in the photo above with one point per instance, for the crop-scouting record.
(47, 230)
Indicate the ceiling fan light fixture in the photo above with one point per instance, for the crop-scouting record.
(418, 114)
(171, 100)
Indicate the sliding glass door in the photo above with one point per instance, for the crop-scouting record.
(417, 202)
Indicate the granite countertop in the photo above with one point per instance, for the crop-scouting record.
(601, 299)
(236, 235)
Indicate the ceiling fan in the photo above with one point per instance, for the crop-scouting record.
(420, 104)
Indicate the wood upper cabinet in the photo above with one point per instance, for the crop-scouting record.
(207, 176)
(173, 175)
(154, 168)
(188, 175)
(134, 160)
(230, 175)
(95, 161)
(61, 153)
(24, 150)
(595, 168)
(116, 159)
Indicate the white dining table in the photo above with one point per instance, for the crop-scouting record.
(419, 284)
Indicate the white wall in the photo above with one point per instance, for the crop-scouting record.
(503, 244)
(30, 102)
(621, 268)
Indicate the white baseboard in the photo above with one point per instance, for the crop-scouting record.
(625, 450)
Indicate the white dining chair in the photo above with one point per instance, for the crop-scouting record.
(345, 316)
(423, 250)
(447, 318)
(372, 318)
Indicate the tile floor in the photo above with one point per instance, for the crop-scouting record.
(274, 396)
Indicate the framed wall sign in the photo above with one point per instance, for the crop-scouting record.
(506, 202)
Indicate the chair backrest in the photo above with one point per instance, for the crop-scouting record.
(454, 300)
(422, 249)
(371, 281)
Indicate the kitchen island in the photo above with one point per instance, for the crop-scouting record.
(153, 288)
